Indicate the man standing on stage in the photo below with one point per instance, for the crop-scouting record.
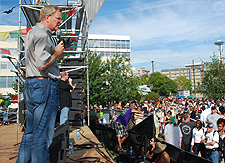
(41, 89)
(65, 101)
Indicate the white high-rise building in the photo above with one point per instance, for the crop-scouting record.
(108, 45)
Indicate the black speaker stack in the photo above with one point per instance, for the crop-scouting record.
(77, 75)
(59, 144)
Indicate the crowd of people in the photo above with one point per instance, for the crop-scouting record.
(195, 125)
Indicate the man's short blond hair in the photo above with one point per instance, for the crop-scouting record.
(48, 10)
(64, 73)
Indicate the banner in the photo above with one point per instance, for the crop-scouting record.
(68, 14)
(92, 7)
(70, 43)
(9, 52)
(4, 35)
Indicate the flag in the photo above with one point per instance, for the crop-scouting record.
(14, 52)
(5, 51)
(7, 101)
(92, 7)
(15, 34)
(68, 14)
(4, 35)
(25, 31)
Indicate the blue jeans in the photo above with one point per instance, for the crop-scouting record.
(212, 156)
(42, 100)
(5, 119)
(65, 115)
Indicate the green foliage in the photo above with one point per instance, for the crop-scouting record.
(111, 80)
(152, 96)
(11, 94)
(15, 87)
(213, 83)
(183, 83)
(162, 84)
(96, 81)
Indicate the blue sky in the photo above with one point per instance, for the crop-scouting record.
(171, 33)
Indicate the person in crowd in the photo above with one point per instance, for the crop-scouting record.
(157, 153)
(3, 111)
(156, 122)
(41, 87)
(179, 116)
(122, 121)
(113, 120)
(65, 100)
(222, 112)
(137, 116)
(211, 141)
(213, 117)
(197, 135)
(186, 128)
(160, 115)
(204, 114)
(167, 118)
(172, 133)
(220, 126)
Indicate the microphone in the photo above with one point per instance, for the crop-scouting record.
(58, 33)
(7, 56)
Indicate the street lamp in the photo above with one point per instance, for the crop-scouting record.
(219, 43)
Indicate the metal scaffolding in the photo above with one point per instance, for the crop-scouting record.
(73, 27)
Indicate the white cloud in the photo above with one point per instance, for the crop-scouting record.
(171, 33)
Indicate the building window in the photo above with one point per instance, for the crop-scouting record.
(91, 43)
(96, 43)
(6, 81)
(107, 43)
(118, 44)
(4, 65)
(102, 45)
(113, 43)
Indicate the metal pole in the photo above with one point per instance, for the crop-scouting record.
(194, 74)
(18, 121)
(88, 108)
(152, 66)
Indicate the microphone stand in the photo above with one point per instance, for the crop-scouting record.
(19, 74)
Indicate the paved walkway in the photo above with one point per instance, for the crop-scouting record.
(8, 138)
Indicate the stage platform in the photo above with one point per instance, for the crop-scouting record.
(9, 137)
(87, 147)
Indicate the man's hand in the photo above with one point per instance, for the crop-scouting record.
(59, 49)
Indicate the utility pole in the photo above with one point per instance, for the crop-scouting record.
(194, 75)
(152, 66)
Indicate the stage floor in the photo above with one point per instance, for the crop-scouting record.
(9, 137)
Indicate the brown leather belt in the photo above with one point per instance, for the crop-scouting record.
(40, 78)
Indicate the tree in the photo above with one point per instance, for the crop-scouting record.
(118, 76)
(111, 80)
(152, 96)
(214, 79)
(183, 83)
(162, 84)
(96, 81)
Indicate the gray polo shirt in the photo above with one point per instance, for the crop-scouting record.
(38, 50)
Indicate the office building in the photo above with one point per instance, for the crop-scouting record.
(190, 71)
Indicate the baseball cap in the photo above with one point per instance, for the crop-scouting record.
(172, 119)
